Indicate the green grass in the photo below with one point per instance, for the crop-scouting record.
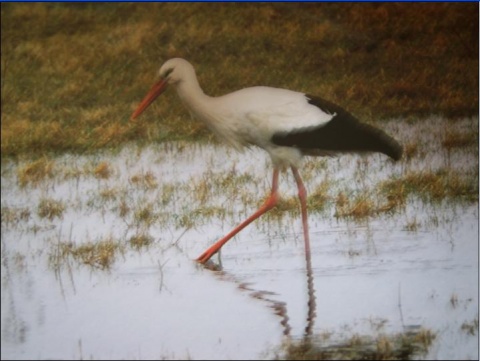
(71, 74)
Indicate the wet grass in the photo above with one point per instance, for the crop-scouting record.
(471, 328)
(50, 208)
(72, 73)
(455, 139)
(103, 170)
(404, 346)
(435, 186)
(100, 254)
(213, 196)
(139, 241)
(13, 216)
(358, 208)
(146, 181)
(35, 171)
(150, 207)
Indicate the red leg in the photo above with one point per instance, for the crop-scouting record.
(302, 194)
(269, 204)
(312, 305)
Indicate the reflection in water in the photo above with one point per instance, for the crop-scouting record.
(311, 296)
(279, 307)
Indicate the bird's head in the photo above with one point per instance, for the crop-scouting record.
(172, 72)
(175, 70)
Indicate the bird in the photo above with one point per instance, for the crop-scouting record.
(287, 124)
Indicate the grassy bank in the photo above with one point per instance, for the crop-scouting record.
(73, 73)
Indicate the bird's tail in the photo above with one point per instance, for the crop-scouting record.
(376, 140)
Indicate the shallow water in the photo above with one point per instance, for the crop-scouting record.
(370, 276)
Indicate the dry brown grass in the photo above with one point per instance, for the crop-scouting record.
(402, 346)
(139, 241)
(147, 180)
(455, 139)
(432, 185)
(360, 207)
(319, 197)
(101, 254)
(102, 170)
(410, 150)
(73, 73)
(12, 216)
(35, 171)
(50, 208)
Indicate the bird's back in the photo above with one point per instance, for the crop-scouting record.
(260, 112)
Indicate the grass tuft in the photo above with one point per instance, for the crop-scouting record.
(360, 207)
(12, 216)
(145, 215)
(35, 172)
(102, 171)
(402, 346)
(147, 180)
(471, 328)
(139, 241)
(432, 185)
(453, 139)
(50, 209)
(317, 201)
(99, 255)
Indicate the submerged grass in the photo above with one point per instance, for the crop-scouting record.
(102, 171)
(13, 216)
(100, 255)
(50, 208)
(403, 346)
(435, 186)
(360, 207)
(454, 139)
(139, 241)
(72, 73)
(146, 181)
(471, 328)
(35, 171)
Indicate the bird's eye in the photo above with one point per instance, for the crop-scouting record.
(168, 72)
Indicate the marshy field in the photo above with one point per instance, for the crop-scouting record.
(102, 217)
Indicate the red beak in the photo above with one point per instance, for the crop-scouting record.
(157, 89)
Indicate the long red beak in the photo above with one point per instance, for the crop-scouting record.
(157, 89)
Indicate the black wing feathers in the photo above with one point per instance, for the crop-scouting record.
(344, 133)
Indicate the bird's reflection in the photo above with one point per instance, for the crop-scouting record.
(279, 307)
(312, 304)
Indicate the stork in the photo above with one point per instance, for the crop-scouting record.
(286, 124)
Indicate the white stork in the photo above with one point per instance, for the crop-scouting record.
(287, 124)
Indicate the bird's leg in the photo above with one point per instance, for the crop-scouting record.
(302, 194)
(312, 305)
(267, 205)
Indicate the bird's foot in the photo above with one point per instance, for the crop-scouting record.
(205, 256)
(206, 262)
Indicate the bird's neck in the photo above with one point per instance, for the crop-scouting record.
(206, 109)
(192, 95)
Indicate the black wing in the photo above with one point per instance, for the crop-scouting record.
(344, 133)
